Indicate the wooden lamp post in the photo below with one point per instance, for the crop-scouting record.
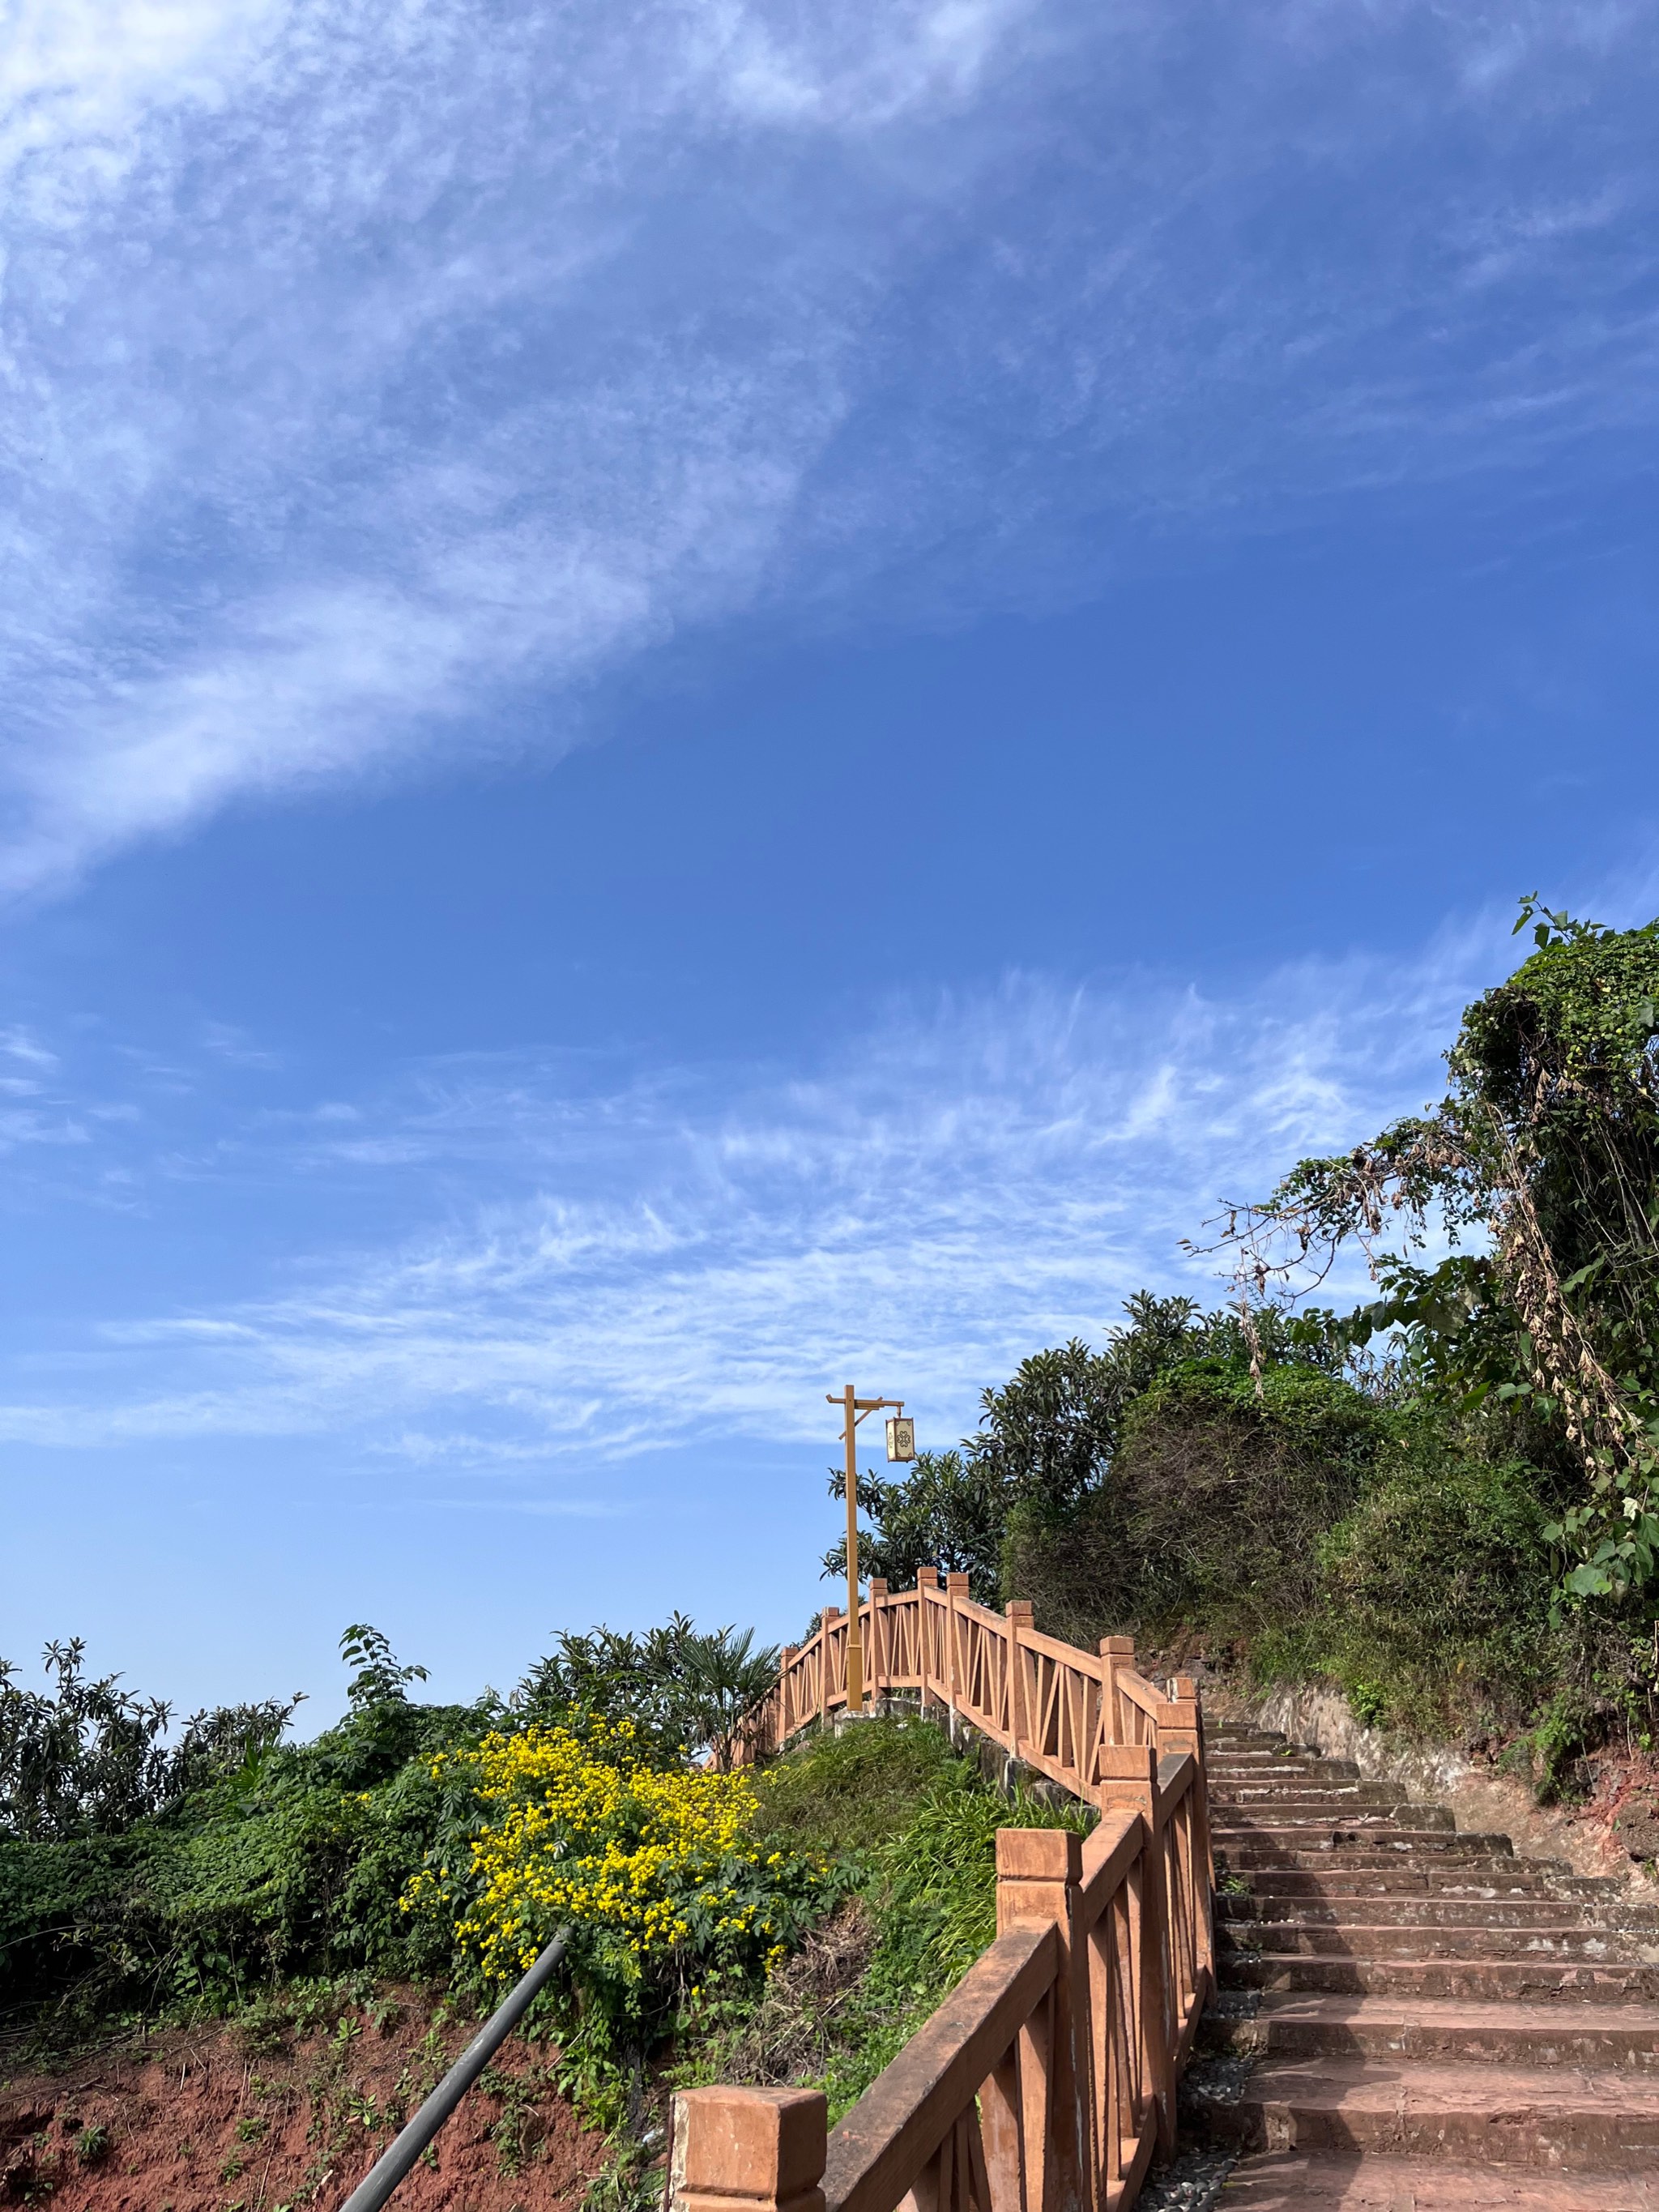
(900, 1445)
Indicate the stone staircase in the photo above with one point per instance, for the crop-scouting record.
(1411, 2019)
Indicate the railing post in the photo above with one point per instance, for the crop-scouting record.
(1039, 1872)
(955, 1590)
(830, 1615)
(1129, 1776)
(877, 1664)
(1019, 1613)
(786, 1703)
(1116, 1653)
(748, 2150)
(1184, 1731)
(927, 1579)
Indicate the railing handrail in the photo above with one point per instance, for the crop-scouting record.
(400, 2154)
(892, 2131)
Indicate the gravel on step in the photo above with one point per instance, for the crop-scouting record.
(1192, 2182)
(1233, 2004)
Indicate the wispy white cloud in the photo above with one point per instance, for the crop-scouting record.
(373, 378)
(704, 1255)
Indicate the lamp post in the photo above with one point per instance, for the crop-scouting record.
(900, 1445)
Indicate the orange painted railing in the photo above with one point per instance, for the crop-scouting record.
(1046, 2081)
(1049, 1705)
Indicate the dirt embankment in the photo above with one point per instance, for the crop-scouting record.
(223, 2119)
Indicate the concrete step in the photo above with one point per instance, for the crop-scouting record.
(1364, 1910)
(1313, 1939)
(1559, 2120)
(1290, 2181)
(1538, 1980)
(1608, 2037)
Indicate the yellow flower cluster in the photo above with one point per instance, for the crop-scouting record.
(586, 1830)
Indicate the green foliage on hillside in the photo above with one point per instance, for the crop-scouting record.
(1045, 1441)
(913, 1827)
(1446, 1501)
(446, 1843)
(136, 1877)
(1212, 1510)
(1544, 1153)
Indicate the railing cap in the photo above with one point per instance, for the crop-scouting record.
(1039, 1854)
(765, 2145)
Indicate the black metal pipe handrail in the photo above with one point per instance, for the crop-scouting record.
(395, 2161)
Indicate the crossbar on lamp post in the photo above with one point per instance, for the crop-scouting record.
(854, 1409)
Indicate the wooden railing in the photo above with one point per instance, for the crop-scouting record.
(1050, 1705)
(1046, 2081)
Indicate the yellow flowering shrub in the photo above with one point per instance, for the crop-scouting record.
(657, 1873)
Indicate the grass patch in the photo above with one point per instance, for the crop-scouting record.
(914, 1826)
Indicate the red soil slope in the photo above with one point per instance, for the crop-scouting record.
(198, 2122)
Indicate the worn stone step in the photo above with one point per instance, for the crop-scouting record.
(1293, 1841)
(1267, 1816)
(1260, 1766)
(1559, 2120)
(1297, 1779)
(1380, 1847)
(1315, 1938)
(1368, 1910)
(1270, 1814)
(1431, 1878)
(1292, 2181)
(1220, 1759)
(1224, 1774)
(1541, 1980)
(1318, 1797)
(1606, 2037)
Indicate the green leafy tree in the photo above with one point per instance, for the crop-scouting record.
(1045, 1441)
(91, 1759)
(680, 1687)
(948, 1511)
(1541, 1165)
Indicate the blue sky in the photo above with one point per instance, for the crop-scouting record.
(703, 698)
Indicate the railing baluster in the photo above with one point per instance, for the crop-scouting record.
(999, 2119)
(1019, 1614)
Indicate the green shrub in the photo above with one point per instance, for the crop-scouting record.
(932, 1896)
(1435, 1588)
(1211, 1514)
(853, 1792)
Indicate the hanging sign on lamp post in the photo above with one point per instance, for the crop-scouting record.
(900, 1445)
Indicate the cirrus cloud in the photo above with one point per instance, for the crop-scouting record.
(375, 380)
